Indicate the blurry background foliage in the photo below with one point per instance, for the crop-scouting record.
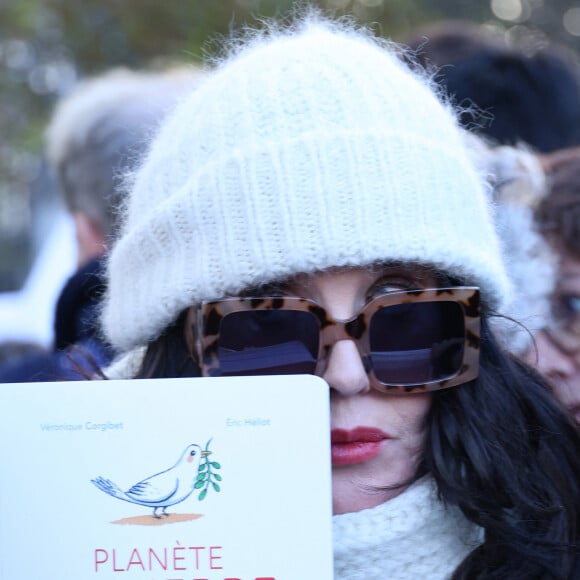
(47, 45)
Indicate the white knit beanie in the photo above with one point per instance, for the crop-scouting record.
(307, 149)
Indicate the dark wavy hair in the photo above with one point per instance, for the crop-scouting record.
(503, 450)
(499, 447)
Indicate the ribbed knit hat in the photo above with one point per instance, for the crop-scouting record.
(306, 149)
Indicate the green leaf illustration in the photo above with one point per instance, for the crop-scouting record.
(206, 475)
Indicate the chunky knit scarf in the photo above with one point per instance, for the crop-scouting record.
(413, 535)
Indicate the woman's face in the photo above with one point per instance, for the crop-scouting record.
(558, 348)
(377, 439)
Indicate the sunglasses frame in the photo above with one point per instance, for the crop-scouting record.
(203, 323)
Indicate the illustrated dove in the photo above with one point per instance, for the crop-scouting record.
(163, 489)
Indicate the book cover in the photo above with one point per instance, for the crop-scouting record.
(166, 479)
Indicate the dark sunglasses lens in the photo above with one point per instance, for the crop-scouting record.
(417, 343)
(276, 342)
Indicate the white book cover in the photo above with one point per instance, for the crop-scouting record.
(166, 479)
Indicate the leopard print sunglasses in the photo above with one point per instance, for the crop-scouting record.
(409, 341)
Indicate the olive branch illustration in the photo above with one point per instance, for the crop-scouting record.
(207, 475)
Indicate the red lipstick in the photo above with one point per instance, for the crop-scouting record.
(355, 446)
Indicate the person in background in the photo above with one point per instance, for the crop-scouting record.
(509, 93)
(313, 208)
(557, 347)
(95, 136)
(517, 186)
(11, 349)
(531, 100)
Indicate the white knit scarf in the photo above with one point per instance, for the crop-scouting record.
(411, 536)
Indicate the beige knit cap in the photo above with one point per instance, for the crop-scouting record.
(307, 149)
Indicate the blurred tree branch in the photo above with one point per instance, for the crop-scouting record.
(46, 45)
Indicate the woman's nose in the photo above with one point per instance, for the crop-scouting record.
(558, 368)
(552, 362)
(345, 372)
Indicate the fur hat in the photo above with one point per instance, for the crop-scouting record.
(519, 185)
(306, 149)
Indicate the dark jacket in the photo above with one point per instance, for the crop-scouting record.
(78, 350)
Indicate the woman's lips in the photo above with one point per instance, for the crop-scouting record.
(356, 445)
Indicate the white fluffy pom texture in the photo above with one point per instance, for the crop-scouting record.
(519, 184)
